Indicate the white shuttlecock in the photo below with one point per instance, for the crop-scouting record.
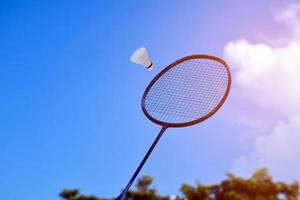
(140, 56)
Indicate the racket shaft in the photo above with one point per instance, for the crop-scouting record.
(122, 196)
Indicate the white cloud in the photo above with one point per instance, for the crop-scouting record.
(290, 17)
(279, 151)
(269, 77)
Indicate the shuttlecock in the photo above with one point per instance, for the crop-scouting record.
(140, 56)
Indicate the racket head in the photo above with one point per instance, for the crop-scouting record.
(155, 104)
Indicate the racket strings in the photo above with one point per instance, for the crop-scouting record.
(187, 91)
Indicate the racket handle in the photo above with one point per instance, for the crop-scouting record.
(122, 196)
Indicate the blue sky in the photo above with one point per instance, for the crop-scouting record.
(70, 113)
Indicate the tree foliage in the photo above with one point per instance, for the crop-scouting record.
(260, 186)
(74, 195)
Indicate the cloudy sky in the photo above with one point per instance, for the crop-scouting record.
(267, 75)
(70, 113)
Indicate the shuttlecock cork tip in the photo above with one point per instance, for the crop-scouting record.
(150, 67)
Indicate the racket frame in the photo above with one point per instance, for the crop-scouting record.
(174, 64)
